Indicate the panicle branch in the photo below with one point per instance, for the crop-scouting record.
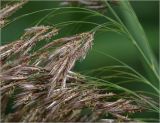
(9, 10)
(45, 87)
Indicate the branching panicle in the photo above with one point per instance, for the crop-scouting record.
(40, 82)
(90, 4)
(9, 10)
(50, 91)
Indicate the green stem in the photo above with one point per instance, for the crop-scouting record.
(134, 27)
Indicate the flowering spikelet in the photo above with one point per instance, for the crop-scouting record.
(45, 87)
(91, 4)
(65, 104)
(15, 58)
(97, 5)
(63, 58)
(9, 10)
(27, 41)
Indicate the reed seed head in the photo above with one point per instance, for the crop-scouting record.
(8, 10)
(48, 88)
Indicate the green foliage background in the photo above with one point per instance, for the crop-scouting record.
(107, 42)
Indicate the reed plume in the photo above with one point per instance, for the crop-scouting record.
(8, 10)
(90, 4)
(37, 76)
(44, 86)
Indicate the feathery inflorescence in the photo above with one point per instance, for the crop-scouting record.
(90, 4)
(8, 10)
(44, 87)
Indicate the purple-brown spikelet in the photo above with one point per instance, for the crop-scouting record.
(44, 86)
(98, 5)
(91, 4)
(65, 56)
(8, 10)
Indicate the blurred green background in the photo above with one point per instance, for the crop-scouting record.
(105, 43)
(108, 42)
